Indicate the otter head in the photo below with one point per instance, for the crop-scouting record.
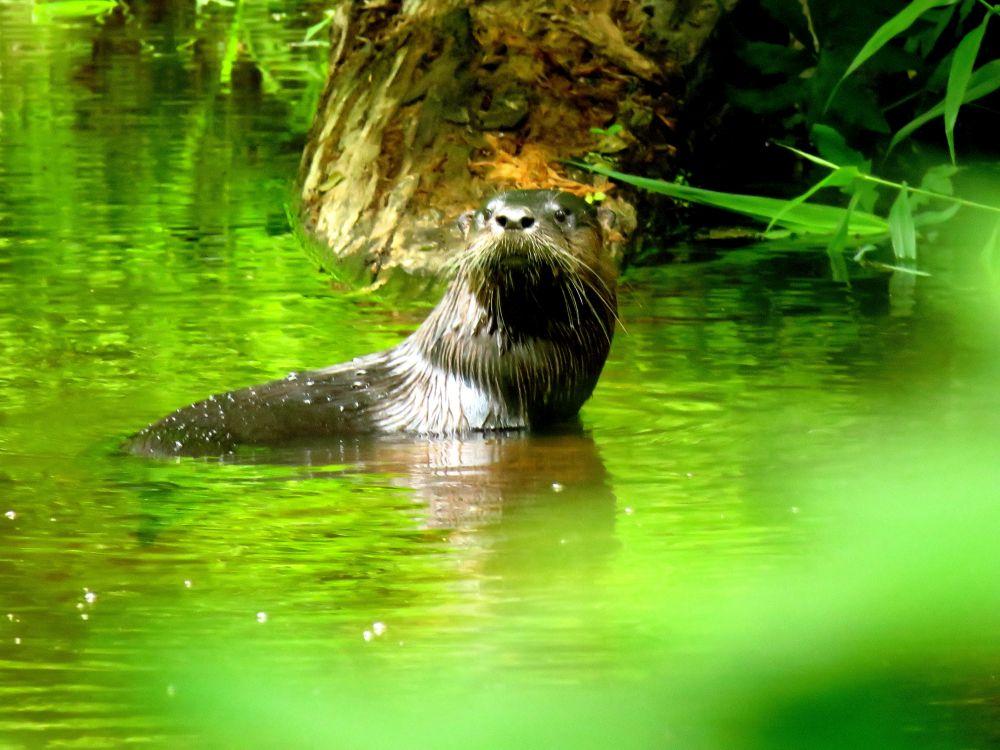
(537, 260)
(535, 228)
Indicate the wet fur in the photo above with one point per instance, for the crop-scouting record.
(518, 341)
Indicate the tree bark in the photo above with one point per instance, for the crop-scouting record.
(431, 105)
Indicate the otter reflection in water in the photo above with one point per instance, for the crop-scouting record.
(518, 341)
(523, 509)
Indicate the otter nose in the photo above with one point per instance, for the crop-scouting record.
(511, 218)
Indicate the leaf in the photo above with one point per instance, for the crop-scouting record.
(929, 218)
(886, 33)
(835, 250)
(983, 82)
(318, 27)
(858, 105)
(838, 178)
(902, 230)
(927, 39)
(42, 12)
(939, 76)
(861, 258)
(784, 96)
(832, 145)
(775, 58)
(808, 218)
(790, 15)
(938, 179)
(958, 79)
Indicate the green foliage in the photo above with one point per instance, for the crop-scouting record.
(901, 227)
(826, 91)
(918, 50)
(958, 79)
(800, 218)
(886, 33)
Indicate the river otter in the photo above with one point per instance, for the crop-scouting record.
(518, 341)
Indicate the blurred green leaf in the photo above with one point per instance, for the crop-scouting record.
(784, 96)
(789, 13)
(924, 42)
(775, 58)
(902, 230)
(832, 146)
(983, 82)
(886, 33)
(929, 218)
(858, 105)
(938, 179)
(958, 79)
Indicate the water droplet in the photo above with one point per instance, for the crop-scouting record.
(90, 597)
(262, 617)
(17, 641)
(556, 487)
(84, 616)
(367, 635)
(378, 628)
(187, 584)
(11, 515)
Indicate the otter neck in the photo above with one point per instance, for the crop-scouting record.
(536, 344)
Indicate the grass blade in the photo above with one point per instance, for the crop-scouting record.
(840, 177)
(958, 79)
(835, 250)
(886, 33)
(807, 218)
(318, 26)
(983, 82)
(902, 230)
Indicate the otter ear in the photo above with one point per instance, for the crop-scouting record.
(607, 218)
(465, 222)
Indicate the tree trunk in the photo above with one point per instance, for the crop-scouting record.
(431, 105)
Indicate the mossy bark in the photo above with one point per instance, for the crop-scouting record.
(431, 105)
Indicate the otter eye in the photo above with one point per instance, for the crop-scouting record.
(487, 214)
(561, 215)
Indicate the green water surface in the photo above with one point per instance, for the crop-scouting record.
(778, 526)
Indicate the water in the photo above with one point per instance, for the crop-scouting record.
(776, 526)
